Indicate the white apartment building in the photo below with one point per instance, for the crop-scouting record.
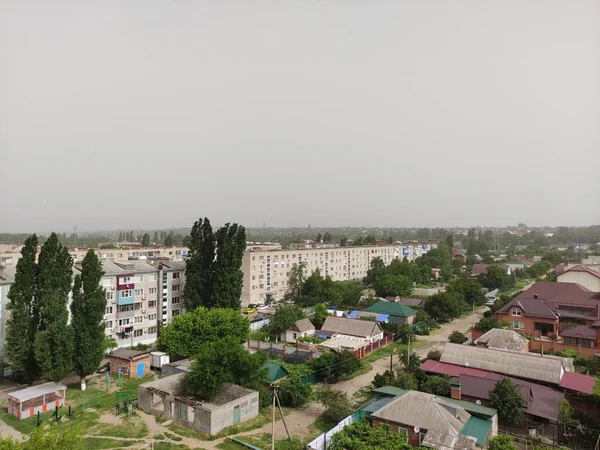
(267, 272)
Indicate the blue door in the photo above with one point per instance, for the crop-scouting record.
(140, 372)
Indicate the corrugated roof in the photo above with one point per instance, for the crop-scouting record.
(36, 391)
(450, 369)
(578, 382)
(581, 332)
(353, 315)
(390, 390)
(302, 325)
(375, 404)
(582, 268)
(519, 364)
(503, 339)
(391, 308)
(350, 327)
(275, 371)
(124, 353)
(478, 428)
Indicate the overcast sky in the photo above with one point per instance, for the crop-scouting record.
(151, 113)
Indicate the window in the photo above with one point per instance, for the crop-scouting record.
(139, 319)
(137, 333)
(152, 277)
(405, 431)
(124, 322)
(108, 324)
(175, 300)
(124, 308)
(295, 336)
(516, 312)
(518, 325)
(176, 275)
(151, 316)
(175, 287)
(151, 330)
(124, 280)
(109, 310)
(126, 293)
(139, 292)
(151, 291)
(176, 312)
(152, 304)
(124, 370)
(110, 295)
(138, 305)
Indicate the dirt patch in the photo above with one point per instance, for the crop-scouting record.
(110, 419)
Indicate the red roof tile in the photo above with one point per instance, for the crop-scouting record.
(578, 382)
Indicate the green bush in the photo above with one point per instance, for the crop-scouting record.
(293, 393)
(457, 337)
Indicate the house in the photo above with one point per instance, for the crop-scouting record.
(275, 372)
(398, 313)
(503, 339)
(411, 302)
(545, 308)
(300, 328)
(131, 363)
(582, 275)
(529, 366)
(481, 269)
(433, 422)
(42, 398)
(167, 398)
(351, 329)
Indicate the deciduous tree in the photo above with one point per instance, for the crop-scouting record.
(361, 435)
(509, 402)
(283, 318)
(87, 317)
(227, 266)
(393, 285)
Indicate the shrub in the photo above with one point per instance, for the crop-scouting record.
(293, 393)
(435, 355)
(457, 337)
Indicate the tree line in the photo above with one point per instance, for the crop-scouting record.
(40, 339)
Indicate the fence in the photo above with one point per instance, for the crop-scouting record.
(557, 347)
(286, 352)
(323, 441)
(369, 348)
(259, 323)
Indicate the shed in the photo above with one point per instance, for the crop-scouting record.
(41, 398)
(275, 372)
(132, 363)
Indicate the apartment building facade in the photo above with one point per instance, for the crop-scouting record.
(267, 272)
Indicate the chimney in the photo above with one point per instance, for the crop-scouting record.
(535, 296)
(455, 390)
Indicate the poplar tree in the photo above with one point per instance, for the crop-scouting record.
(87, 317)
(155, 238)
(198, 273)
(227, 266)
(54, 339)
(23, 318)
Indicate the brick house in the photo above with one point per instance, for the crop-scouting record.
(130, 363)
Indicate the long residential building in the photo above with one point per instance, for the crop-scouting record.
(267, 272)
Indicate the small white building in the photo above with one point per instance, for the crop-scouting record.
(581, 274)
(300, 328)
(352, 329)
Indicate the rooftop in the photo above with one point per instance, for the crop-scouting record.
(503, 339)
(578, 382)
(124, 353)
(581, 332)
(302, 326)
(391, 308)
(350, 327)
(36, 391)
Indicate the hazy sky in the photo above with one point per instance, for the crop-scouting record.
(151, 113)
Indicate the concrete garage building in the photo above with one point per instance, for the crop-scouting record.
(167, 398)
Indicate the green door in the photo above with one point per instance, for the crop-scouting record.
(236, 415)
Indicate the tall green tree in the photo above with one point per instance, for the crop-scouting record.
(361, 435)
(23, 318)
(283, 318)
(155, 237)
(54, 340)
(146, 240)
(393, 285)
(509, 402)
(87, 314)
(227, 267)
(198, 272)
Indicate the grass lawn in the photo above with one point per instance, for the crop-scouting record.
(170, 446)
(264, 441)
(385, 352)
(90, 443)
(132, 427)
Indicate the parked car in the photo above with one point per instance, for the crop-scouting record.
(249, 310)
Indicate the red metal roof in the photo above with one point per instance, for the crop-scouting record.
(452, 370)
(578, 382)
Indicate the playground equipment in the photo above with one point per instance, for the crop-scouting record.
(125, 404)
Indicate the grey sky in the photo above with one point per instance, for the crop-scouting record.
(407, 113)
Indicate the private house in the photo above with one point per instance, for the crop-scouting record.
(130, 363)
(398, 312)
(503, 340)
(410, 302)
(580, 274)
(167, 398)
(552, 311)
(355, 332)
(300, 328)
(41, 398)
(481, 269)
(434, 422)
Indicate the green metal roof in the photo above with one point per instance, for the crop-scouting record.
(478, 428)
(275, 371)
(375, 404)
(391, 308)
(390, 390)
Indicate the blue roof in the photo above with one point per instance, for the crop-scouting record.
(353, 315)
(322, 336)
(382, 317)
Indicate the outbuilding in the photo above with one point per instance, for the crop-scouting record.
(130, 363)
(41, 398)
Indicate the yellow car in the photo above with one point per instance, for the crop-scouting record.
(249, 310)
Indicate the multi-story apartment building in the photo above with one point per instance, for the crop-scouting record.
(141, 297)
(267, 272)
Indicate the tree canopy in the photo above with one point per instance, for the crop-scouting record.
(509, 402)
(361, 435)
(187, 332)
(283, 318)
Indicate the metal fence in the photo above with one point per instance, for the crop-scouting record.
(322, 441)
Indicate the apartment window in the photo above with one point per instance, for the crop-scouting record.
(126, 293)
(175, 312)
(109, 310)
(107, 281)
(175, 300)
(108, 324)
(151, 330)
(124, 280)
(152, 304)
(139, 319)
(123, 322)
(139, 292)
(176, 275)
(138, 305)
(110, 295)
(516, 312)
(518, 325)
(254, 277)
(152, 291)
(151, 316)
(124, 308)
(175, 288)
(137, 333)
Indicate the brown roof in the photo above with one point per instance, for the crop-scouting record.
(479, 269)
(124, 353)
(581, 268)
(581, 332)
(406, 301)
(350, 327)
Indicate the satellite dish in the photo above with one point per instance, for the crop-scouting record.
(467, 364)
(386, 321)
(417, 429)
(567, 369)
(478, 402)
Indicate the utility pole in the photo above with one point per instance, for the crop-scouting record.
(273, 419)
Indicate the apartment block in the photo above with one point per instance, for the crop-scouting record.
(267, 272)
